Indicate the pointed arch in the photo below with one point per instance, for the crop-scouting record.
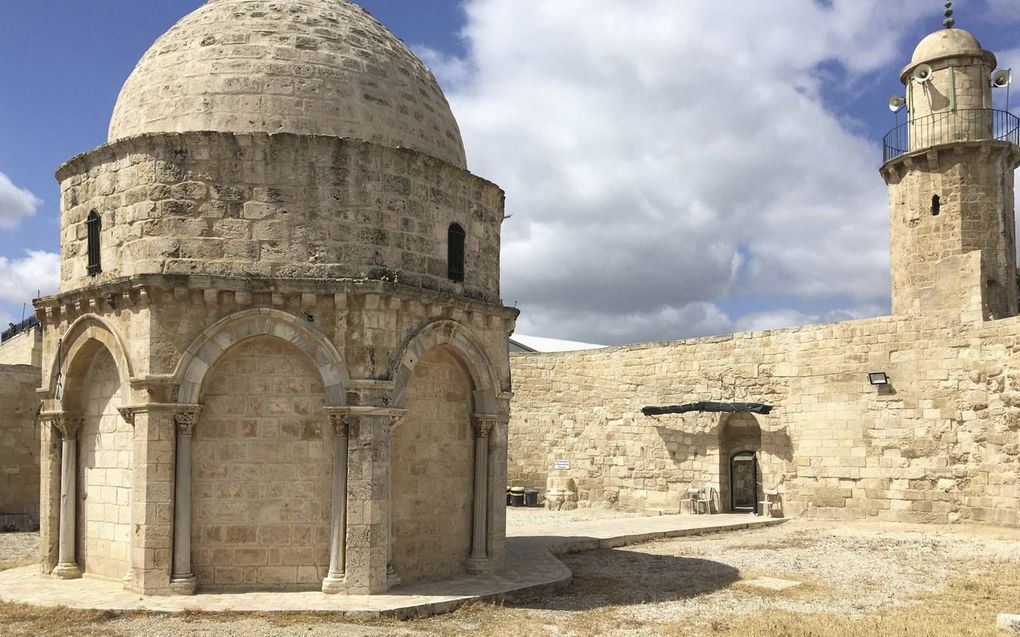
(464, 344)
(203, 353)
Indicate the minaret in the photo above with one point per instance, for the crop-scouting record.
(950, 175)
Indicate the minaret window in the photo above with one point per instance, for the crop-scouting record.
(936, 206)
(94, 224)
(455, 253)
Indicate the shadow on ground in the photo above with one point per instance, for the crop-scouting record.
(621, 578)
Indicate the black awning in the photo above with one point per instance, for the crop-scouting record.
(753, 408)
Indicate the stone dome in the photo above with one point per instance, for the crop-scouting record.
(312, 67)
(946, 43)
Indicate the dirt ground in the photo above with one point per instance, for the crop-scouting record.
(853, 580)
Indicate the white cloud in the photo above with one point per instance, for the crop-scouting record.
(783, 318)
(15, 203)
(694, 319)
(21, 280)
(660, 156)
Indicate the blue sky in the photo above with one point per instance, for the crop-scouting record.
(629, 126)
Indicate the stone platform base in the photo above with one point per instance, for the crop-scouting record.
(1010, 623)
(532, 568)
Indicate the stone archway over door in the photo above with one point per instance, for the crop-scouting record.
(433, 470)
(262, 471)
(739, 442)
(105, 471)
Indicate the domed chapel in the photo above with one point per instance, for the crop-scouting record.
(278, 358)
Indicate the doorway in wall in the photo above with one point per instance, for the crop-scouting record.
(743, 482)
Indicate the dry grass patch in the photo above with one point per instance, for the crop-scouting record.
(966, 607)
(38, 621)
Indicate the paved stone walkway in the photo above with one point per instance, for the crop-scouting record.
(531, 568)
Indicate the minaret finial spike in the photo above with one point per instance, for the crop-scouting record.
(950, 22)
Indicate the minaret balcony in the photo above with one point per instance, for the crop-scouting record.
(949, 127)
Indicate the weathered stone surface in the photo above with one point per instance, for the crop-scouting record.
(311, 67)
(940, 444)
(1009, 623)
(19, 439)
(277, 206)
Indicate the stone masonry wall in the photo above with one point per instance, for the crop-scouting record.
(262, 473)
(277, 206)
(156, 319)
(105, 474)
(976, 213)
(433, 466)
(19, 440)
(940, 444)
(23, 349)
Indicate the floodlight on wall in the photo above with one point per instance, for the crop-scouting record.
(878, 378)
(896, 103)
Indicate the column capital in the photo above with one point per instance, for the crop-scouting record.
(340, 423)
(352, 416)
(67, 423)
(185, 419)
(484, 423)
(128, 414)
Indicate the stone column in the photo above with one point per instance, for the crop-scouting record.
(128, 414)
(392, 577)
(334, 582)
(49, 494)
(68, 425)
(183, 581)
(477, 562)
(496, 528)
(368, 529)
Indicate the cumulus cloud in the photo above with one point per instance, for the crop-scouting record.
(15, 203)
(661, 156)
(22, 279)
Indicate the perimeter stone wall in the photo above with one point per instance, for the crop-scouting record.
(940, 444)
(23, 349)
(19, 441)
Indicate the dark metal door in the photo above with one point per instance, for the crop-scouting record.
(744, 482)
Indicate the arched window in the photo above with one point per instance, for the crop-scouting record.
(94, 226)
(455, 253)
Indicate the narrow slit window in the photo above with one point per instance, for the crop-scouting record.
(455, 253)
(936, 205)
(94, 224)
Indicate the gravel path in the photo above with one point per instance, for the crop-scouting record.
(18, 549)
(648, 590)
(850, 571)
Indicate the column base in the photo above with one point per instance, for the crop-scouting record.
(478, 565)
(67, 571)
(184, 585)
(392, 579)
(334, 584)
